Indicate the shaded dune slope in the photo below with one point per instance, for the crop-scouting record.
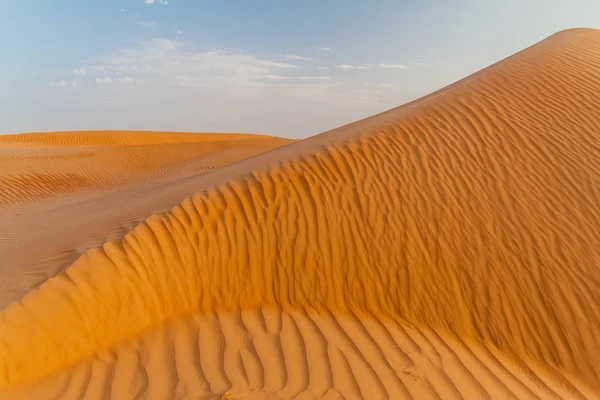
(448, 248)
(62, 193)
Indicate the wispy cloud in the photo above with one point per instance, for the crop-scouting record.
(164, 2)
(314, 78)
(297, 57)
(65, 84)
(146, 24)
(296, 78)
(179, 32)
(168, 60)
(136, 20)
(324, 49)
(346, 66)
(79, 71)
(124, 79)
(158, 84)
(322, 67)
(395, 66)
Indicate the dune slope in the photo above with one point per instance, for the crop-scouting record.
(40, 167)
(62, 193)
(445, 249)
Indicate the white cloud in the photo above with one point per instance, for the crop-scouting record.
(159, 83)
(324, 49)
(107, 80)
(122, 10)
(296, 78)
(297, 57)
(79, 71)
(346, 66)
(136, 20)
(314, 78)
(394, 66)
(167, 60)
(146, 24)
(321, 67)
(165, 2)
(422, 64)
(179, 32)
(65, 84)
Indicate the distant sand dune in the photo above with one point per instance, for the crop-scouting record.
(63, 193)
(40, 167)
(449, 248)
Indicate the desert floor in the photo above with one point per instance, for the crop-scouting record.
(448, 248)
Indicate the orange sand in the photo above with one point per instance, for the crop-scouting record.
(448, 248)
(40, 167)
(64, 193)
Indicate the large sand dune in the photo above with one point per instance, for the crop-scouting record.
(449, 248)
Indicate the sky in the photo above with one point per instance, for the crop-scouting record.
(278, 67)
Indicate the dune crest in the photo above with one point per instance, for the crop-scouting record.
(468, 219)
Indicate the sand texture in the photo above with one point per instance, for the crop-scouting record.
(449, 248)
(64, 193)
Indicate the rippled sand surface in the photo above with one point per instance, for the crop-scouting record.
(449, 248)
(62, 193)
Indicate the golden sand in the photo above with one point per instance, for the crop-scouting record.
(449, 248)
(63, 193)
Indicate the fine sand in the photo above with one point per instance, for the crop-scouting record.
(64, 193)
(449, 248)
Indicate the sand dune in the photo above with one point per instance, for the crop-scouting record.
(64, 193)
(42, 167)
(446, 249)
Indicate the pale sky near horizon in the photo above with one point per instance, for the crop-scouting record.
(286, 68)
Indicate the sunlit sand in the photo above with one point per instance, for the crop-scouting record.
(449, 248)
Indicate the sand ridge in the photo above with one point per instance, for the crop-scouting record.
(468, 218)
(86, 188)
(42, 167)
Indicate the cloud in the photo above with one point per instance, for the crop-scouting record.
(296, 78)
(146, 24)
(79, 71)
(422, 64)
(136, 20)
(346, 66)
(394, 66)
(122, 10)
(324, 49)
(179, 32)
(65, 84)
(297, 57)
(164, 2)
(169, 61)
(160, 83)
(321, 67)
(107, 80)
(314, 78)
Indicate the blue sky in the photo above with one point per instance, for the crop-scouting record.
(287, 68)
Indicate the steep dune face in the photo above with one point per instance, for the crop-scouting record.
(448, 248)
(63, 193)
